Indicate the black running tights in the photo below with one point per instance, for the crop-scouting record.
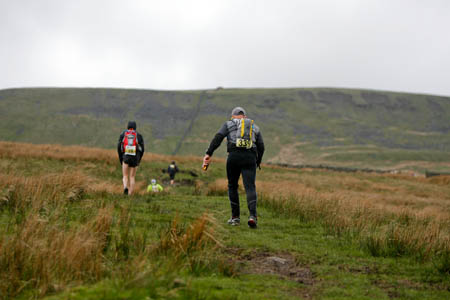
(242, 162)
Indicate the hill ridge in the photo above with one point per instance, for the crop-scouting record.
(300, 125)
(232, 88)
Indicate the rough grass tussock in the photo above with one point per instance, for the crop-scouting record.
(381, 232)
(16, 150)
(45, 256)
(19, 193)
(197, 237)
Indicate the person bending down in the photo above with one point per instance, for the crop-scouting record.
(130, 149)
(154, 187)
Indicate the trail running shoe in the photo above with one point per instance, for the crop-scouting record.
(252, 222)
(125, 191)
(234, 221)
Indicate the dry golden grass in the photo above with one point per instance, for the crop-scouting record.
(427, 197)
(38, 249)
(78, 153)
(394, 213)
(59, 152)
(196, 237)
(86, 159)
(217, 188)
(45, 256)
(440, 180)
(19, 193)
(220, 187)
(105, 186)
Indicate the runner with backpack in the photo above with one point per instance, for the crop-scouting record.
(130, 149)
(172, 169)
(245, 147)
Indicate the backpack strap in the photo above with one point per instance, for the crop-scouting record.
(243, 128)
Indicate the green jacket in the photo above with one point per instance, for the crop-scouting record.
(154, 188)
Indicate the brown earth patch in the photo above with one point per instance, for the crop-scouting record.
(358, 269)
(281, 264)
(289, 154)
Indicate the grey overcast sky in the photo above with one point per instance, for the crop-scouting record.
(398, 45)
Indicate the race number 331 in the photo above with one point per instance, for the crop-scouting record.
(242, 143)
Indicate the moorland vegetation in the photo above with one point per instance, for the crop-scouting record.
(67, 232)
(337, 127)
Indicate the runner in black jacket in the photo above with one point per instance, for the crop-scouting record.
(243, 158)
(130, 163)
(172, 169)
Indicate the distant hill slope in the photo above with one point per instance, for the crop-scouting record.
(304, 125)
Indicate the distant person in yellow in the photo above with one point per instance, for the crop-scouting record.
(154, 187)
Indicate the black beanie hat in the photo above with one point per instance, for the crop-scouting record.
(131, 124)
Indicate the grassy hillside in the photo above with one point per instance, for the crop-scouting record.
(354, 128)
(67, 232)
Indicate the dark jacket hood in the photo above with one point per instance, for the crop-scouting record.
(131, 124)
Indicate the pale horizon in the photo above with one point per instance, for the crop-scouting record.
(397, 46)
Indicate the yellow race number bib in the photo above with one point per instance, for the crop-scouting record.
(242, 143)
